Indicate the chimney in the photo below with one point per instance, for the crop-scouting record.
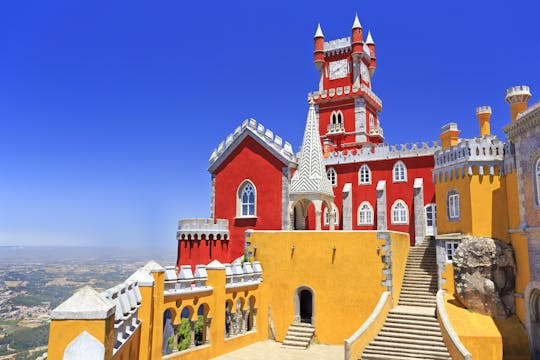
(517, 97)
(449, 135)
(483, 113)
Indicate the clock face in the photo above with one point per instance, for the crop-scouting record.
(338, 69)
(364, 72)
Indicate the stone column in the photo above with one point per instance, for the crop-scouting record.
(285, 216)
(419, 211)
(381, 206)
(347, 207)
(318, 211)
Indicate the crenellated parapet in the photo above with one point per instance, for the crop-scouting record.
(345, 92)
(184, 281)
(203, 229)
(486, 152)
(381, 152)
(239, 275)
(266, 137)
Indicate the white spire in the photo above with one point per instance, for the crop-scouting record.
(310, 178)
(356, 24)
(319, 33)
(369, 39)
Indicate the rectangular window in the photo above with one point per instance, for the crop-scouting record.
(451, 247)
(453, 206)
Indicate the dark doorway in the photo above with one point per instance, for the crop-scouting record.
(306, 306)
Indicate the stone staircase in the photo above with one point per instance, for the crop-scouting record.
(299, 336)
(411, 330)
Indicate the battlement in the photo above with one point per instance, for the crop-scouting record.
(482, 149)
(343, 91)
(517, 94)
(381, 152)
(242, 275)
(203, 229)
(343, 45)
(483, 110)
(266, 137)
(184, 281)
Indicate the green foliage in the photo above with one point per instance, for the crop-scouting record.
(184, 334)
(26, 300)
(170, 342)
(199, 330)
(27, 338)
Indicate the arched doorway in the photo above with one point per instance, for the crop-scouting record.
(532, 317)
(304, 305)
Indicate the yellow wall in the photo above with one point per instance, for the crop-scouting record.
(478, 333)
(512, 199)
(63, 332)
(344, 281)
(448, 275)
(464, 225)
(130, 349)
(400, 251)
(520, 245)
(145, 315)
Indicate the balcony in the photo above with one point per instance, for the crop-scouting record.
(335, 129)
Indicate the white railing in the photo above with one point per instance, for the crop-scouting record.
(335, 128)
(197, 228)
(245, 274)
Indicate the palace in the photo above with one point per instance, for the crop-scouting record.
(413, 251)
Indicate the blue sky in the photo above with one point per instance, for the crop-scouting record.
(109, 110)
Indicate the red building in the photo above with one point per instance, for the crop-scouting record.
(374, 185)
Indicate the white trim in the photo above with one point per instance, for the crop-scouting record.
(371, 214)
(396, 176)
(450, 247)
(398, 220)
(453, 205)
(334, 180)
(536, 181)
(360, 180)
(326, 217)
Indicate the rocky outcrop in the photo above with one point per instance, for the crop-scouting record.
(484, 276)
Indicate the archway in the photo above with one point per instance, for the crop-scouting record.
(304, 305)
(532, 317)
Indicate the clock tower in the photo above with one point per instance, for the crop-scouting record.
(348, 108)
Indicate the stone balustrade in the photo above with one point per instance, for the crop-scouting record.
(335, 128)
(487, 148)
(381, 152)
(243, 274)
(127, 299)
(203, 229)
(346, 90)
(184, 281)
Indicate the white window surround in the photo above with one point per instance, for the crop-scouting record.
(450, 247)
(399, 172)
(400, 213)
(364, 175)
(326, 218)
(246, 200)
(332, 176)
(537, 181)
(336, 117)
(452, 205)
(371, 122)
(365, 214)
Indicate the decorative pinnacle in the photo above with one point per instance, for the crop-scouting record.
(518, 94)
(319, 32)
(369, 40)
(356, 24)
(483, 110)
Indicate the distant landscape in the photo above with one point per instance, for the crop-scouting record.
(34, 280)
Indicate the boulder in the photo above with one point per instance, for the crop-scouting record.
(484, 276)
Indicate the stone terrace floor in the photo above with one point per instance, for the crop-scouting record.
(272, 350)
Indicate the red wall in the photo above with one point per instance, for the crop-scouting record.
(250, 161)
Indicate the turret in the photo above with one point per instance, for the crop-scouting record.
(357, 41)
(517, 97)
(483, 113)
(449, 135)
(318, 53)
(371, 45)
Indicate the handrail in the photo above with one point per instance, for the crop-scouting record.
(449, 330)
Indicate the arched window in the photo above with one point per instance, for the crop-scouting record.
(246, 201)
(399, 172)
(337, 117)
(537, 181)
(326, 216)
(364, 175)
(332, 176)
(365, 214)
(400, 212)
(452, 205)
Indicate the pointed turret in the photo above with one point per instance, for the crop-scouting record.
(318, 53)
(371, 45)
(357, 41)
(310, 181)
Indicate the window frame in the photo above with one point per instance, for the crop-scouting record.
(536, 174)
(326, 218)
(240, 200)
(398, 220)
(396, 171)
(450, 247)
(360, 210)
(334, 182)
(453, 205)
(360, 172)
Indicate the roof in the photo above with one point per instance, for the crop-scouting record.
(265, 137)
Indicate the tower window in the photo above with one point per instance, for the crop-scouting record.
(399, 172)
(537, 181)
(364, 175)
(452, 205)
(337, 117)
(400, 213)
(371, 122)
(246, 200)
(365, 214)
(332, 176)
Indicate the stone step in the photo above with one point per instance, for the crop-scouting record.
(405, 322)
(392, 325)
(299, 329)
(375, 356)
(395, 339)
(368, 353)
(295, 343)
(409, 303)
(417, 292)
(293, 337)
(409, 336)
(410, 318)
(427, 297)
(411, 331)
(410, 348)
(304, 325)
(394, 315)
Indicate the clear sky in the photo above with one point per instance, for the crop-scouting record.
(109, 110)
